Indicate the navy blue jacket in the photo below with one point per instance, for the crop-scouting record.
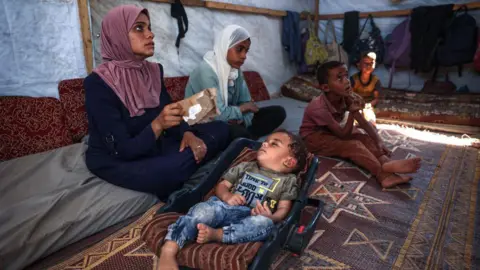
(113, 134)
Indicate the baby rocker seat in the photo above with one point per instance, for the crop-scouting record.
(289, 233)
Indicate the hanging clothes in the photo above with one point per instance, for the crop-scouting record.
(291, 39)
(350, 30)
(177, 11)
(427, 27)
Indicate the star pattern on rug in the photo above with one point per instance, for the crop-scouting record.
(312, 260)
(380, 247)
(343, 165)
(344, 196)
(397, 141)
(314, 238)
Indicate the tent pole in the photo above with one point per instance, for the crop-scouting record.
(317, 7)
(392, 13)
(86, 36)
(282, 13)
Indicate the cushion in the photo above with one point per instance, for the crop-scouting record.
(301, 87)
(455, 109)
(30, 125)
(212, 256)
(176, 87)
(72, 97)
(256, 86)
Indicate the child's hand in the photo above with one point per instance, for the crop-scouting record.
(235, 199)
(262, 210)
(387, 151)
(355, 107)
(248, 107)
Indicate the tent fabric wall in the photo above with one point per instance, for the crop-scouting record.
(40, 45)
(402, 79)
(41, 41)
(266, 55)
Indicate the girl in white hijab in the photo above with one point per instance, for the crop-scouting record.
(220, 69)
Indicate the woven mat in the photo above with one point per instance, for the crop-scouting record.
(427, 224)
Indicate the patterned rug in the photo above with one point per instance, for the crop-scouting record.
(427, 224)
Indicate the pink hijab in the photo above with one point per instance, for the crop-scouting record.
(136, 82)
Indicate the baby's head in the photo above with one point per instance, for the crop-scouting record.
(282, 152)
(367, 62)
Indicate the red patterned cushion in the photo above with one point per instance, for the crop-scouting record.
(72, 97)
(30, 125)
(176, 87)
(212, 256)
(256, 85)
(301, 87)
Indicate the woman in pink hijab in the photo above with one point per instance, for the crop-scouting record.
(137, 137)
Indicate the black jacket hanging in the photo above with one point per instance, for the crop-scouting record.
(178, 12)
(427, 28)
(350, 30)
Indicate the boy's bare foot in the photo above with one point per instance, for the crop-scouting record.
(410, 165)
(407, 178)
(207, 234)
(167, 260)
(394, 180)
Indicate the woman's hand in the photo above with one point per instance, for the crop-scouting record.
(170, 116)
(248, 107)
(198, 147)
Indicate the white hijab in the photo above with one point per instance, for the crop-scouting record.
(217, 59)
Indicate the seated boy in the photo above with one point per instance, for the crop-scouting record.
(367, 85)
(248, 201)
(326, 133)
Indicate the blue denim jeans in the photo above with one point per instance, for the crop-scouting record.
(237, 223)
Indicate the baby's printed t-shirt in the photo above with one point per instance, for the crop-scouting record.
(256, 183)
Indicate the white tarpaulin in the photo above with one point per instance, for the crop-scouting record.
(41, 40)
(40, 45)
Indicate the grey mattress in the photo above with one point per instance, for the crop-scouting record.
(294, 109)
(50, 200)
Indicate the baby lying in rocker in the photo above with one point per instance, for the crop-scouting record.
(248, 201)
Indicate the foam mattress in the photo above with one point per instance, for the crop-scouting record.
(50, 200)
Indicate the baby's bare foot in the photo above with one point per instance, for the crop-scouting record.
(167, 260)
(207, 234)
(410, 165)
(394, 180)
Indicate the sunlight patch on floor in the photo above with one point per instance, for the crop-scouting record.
(425, 135)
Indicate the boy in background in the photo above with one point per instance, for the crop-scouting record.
(367, 85)
(328, 129)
